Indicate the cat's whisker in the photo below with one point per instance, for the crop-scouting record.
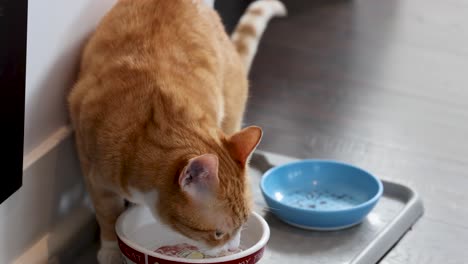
(269, 209)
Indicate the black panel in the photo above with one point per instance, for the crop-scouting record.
(13, 18)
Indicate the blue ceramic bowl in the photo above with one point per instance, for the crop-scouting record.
(320, 194)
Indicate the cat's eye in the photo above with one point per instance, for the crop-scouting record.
(219, 234)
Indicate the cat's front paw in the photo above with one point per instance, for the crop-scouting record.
(109, 253)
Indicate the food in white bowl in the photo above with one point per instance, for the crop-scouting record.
(185, 250)
(140, 235)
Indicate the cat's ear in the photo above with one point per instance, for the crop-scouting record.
(243, 143)
(200, 175)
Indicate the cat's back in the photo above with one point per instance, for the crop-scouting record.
(149, 62)
(141, 47)
(152, 33)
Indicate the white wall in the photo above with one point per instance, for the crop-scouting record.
(51, 205)
(52, 186)
(56, 32)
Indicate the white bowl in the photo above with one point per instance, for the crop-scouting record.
(139, 234)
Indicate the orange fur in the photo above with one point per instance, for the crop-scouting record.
(161, 85)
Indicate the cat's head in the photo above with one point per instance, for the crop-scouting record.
(212, 200)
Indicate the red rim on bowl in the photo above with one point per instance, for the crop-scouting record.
(139, 254)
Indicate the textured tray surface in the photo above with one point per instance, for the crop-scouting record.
(301, 246)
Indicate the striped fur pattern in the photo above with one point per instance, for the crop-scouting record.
(157, 111)
(251, 26)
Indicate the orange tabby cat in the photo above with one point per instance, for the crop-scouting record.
(157, 111)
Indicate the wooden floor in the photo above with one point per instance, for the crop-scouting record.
(382, 84)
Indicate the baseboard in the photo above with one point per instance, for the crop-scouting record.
(46, 146)
(75, 230)
(69, 237)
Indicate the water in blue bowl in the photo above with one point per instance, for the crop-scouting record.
(320, 200)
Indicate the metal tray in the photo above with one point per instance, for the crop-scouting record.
(398, 209)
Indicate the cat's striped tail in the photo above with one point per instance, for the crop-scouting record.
(251, 26)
